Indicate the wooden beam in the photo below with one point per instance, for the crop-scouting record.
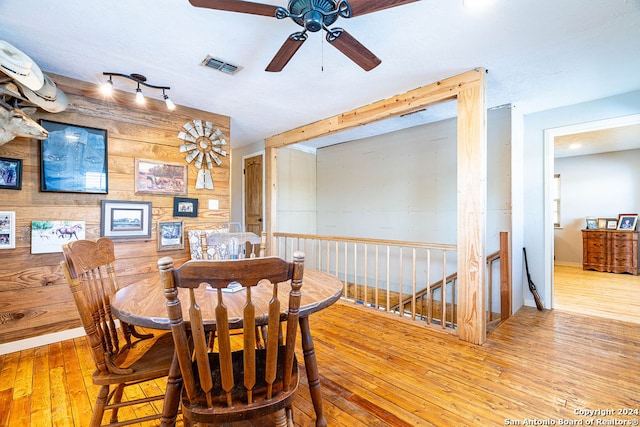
(414, 100)
(469, 90)
(472, 206)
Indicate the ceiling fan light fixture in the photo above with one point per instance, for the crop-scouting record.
(313, 21)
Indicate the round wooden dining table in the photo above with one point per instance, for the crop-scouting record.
(143, 304)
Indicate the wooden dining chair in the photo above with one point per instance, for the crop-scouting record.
(228, 386)
(89, 269)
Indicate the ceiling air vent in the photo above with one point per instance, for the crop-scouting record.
(220, 65)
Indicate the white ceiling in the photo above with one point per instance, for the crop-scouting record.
(539, 54)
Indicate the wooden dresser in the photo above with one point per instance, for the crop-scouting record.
(611, 251)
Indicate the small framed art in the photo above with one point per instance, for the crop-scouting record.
(592, 223)
(126, 220)
(602, 223)
(7, 230)
(48, 236)
(612, 223)
(160, 178)
(170, 235)
(10, 173)
(627, 221)
(73, 159)
(184, 206)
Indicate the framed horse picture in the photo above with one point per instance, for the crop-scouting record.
(49, 236)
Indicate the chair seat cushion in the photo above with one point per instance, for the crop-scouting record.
(241, 410)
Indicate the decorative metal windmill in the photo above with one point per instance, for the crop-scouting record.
(202, 143)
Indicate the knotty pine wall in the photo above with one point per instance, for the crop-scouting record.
(34, 297)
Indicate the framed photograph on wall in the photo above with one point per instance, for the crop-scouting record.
(73, 159)
(154, 177)
(126, 220)
(48, 236)
(7, 230)
(627, 221)
(184, 206)
(170, 235)
(10, 173)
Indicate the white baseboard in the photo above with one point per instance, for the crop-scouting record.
(12, 347)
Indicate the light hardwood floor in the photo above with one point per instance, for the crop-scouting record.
(377, 371)
(614, 296)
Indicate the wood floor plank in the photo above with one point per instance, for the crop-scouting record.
(41, 398)
(24, 375)
(5, 406)
(9, 369)
(81, 407)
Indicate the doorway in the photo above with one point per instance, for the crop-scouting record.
(253, 192)
(553, 137)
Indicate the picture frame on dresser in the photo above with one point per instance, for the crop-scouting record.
(602, 223)
(592, 223)
(612, 223)
(627, 222)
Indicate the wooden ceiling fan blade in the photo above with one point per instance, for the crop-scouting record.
(362, 7)
(286, 52)
(237, 6)
(353, 49)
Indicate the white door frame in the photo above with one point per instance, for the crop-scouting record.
(549, 139)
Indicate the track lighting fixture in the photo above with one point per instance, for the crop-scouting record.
(107, 87)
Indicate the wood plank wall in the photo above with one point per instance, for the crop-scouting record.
(34, 297)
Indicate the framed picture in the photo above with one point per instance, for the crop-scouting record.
(183, 206)
(7, 230)
(126, 220)
(73, 159)
(592, 223)
(10, 173)
(170, 235)
(602, 223)
(160, 178)
(48, 236)
(612, 223)
(627, 221)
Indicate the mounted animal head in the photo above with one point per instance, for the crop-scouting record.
(16, 122)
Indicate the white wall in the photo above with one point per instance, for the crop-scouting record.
(599, 185)
(537, 240)
(402, 185)
(296, 191)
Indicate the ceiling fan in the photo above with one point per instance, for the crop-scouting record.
(313, 16)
